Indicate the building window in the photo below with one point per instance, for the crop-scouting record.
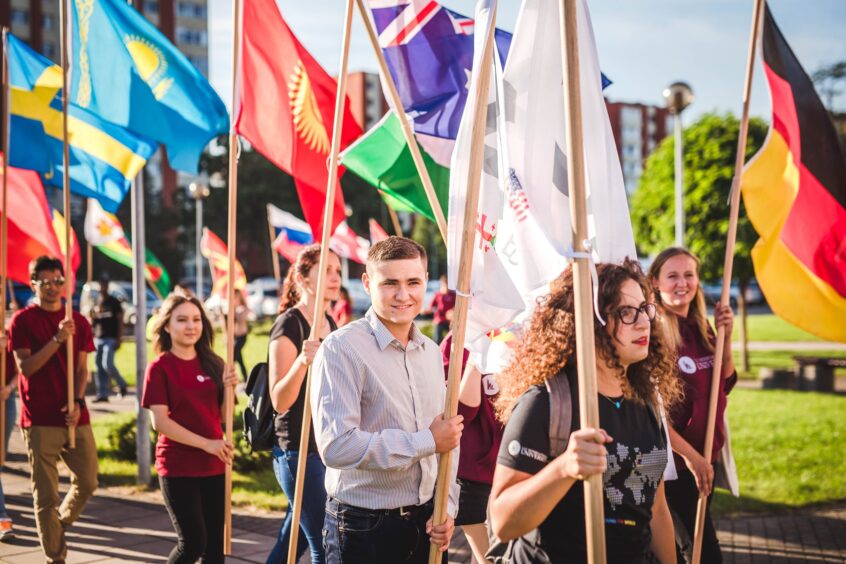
(19, 17)
(190, 10)
(49, 50)
(188, 36)
(151, 6)
(47, 22)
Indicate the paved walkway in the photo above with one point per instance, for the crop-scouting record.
(118, 526)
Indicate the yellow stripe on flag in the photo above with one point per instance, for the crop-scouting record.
(770, 184)
(35, 105)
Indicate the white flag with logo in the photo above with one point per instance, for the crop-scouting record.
(101, 227)
(495, 299)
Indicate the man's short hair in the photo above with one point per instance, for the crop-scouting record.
(396, 248)
(42, 263)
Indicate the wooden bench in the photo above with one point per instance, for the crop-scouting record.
(816, 373)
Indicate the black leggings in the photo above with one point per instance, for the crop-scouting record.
(682, 496)
(239, 358)
(195, 506)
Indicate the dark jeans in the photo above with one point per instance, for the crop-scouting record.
(239, 358)
(314, 502)
(104, 359)
(440, 330)
(353, 535)
(682, 497)
(196, 509)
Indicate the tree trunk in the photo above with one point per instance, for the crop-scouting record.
(741, 310)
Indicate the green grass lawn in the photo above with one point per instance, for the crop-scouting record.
(788, 447)
(768, 327)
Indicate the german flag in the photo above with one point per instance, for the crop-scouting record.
(795, 195)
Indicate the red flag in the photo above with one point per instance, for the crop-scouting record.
(287, 105)
(348, 245)
(376, 232)
(32, 229)
(217, 252)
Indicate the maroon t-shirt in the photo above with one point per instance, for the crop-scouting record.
(441, 304)
(45, 393)
(482, 430)
(690, 416)
(191, 397)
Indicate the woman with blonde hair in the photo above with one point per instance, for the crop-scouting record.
(183, 390)
(291, 352)
(675, 277)
(536, 499)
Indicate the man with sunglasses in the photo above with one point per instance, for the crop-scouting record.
(39, 334)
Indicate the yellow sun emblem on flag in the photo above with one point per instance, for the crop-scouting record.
(307, 119)
(150, 63)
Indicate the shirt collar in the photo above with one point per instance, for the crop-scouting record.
(384, 337)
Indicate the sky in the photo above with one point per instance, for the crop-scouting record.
(644, 45)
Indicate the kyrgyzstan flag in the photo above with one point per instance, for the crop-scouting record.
(287, 105)
(214, 249)
(795, 195)
(34, 229)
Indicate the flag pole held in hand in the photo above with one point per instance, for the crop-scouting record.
(734, 211)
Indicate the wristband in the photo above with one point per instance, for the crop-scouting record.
(80, 402)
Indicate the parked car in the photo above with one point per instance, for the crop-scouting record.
(122, 290)
(263, 297)
(754, 295)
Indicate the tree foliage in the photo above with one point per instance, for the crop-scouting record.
(709, 147)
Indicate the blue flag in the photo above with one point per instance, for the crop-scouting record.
(104, 158)
(429, 50)
(129, 73)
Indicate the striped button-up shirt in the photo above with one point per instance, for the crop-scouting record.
(373, 402)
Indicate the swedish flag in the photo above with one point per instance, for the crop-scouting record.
(104, 158)
(128, 72)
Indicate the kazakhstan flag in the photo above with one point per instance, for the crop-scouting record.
(128, 72)
(104, 158)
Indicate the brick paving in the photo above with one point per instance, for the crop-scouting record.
(120, 527)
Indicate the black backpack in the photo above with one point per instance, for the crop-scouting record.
(259, 414)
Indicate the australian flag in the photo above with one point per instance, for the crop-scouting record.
(429, 50)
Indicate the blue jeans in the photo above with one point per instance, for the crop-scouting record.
(11, 414)
(353, 535)
(313, 505)
(106, 370)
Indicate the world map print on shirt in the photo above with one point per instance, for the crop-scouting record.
(633, 475)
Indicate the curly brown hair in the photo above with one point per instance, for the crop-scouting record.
(549, 342)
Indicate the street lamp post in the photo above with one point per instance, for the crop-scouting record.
(678, 96)
(199, 192)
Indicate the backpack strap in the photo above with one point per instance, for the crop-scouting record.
(560, 413)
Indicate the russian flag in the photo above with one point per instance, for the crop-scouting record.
(296, 230)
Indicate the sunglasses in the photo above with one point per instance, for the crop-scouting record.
(628, 315)
(57, 282)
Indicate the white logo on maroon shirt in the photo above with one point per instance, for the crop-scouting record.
(687, 365)
(201, 378)
(490, 385)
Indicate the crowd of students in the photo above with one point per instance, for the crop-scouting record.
(377, 398)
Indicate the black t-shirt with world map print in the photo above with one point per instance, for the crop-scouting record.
(636, 461)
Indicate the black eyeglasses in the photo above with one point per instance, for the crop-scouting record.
(57, 281)
(628, 315)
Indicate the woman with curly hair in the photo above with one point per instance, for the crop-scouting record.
(536, 498)
(675, 277)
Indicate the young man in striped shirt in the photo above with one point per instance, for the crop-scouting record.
(377, 396)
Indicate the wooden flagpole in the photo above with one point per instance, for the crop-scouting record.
(734, 211)
(395, 220)
(273, 258)
(410, 140)
(585, 346)
(232, 242)
(4, 242)
(63, 4)
(462, 300)
(318, 318)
